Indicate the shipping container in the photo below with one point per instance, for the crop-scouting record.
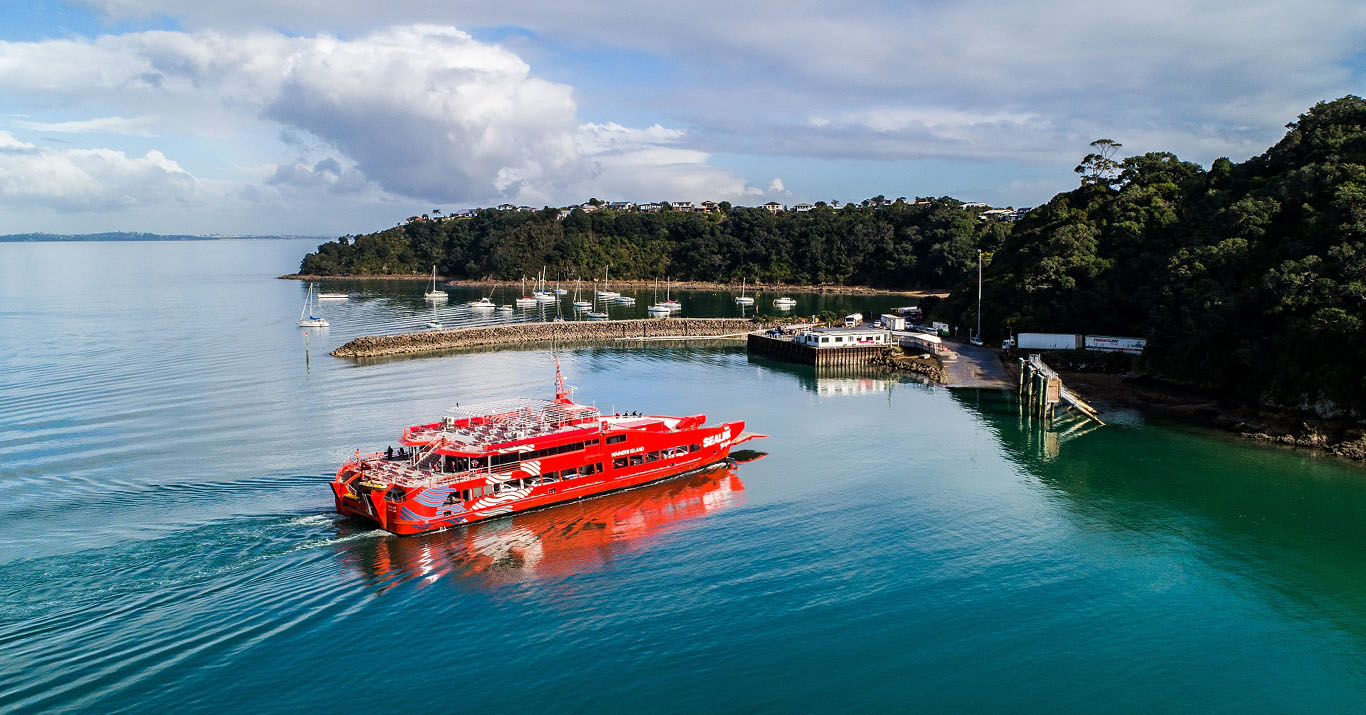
(1048, 341)
(893, 322)
(1108, 344)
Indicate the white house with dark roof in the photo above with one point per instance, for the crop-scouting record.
(773, 207)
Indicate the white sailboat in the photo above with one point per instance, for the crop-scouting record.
(669, 302)
(743, 299)
(542, 295)
(595, 314)
(605, 293)
(435, 294)
(525, 301)
(312, 321)
(784, 303)
(485, 303)
(657, 309)
(580, 303)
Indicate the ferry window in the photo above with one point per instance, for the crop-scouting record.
(652, 456)
(668, 452)
(532, 482)
(464, 495)
(616, 439)
(550, 479)
(597, 468)
(619, 463)
(694, 447)
(497, 488)
(593, 441)
(513, 484)
(637, 459)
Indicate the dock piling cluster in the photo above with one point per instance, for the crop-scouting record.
(1041, 391)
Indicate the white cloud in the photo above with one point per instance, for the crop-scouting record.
(135, 126)
(421, 111)
(776, 185)
(1170, 68)
(89, 179)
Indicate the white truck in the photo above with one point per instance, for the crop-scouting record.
(1044, 341)
(1107, 344)
(893, 322)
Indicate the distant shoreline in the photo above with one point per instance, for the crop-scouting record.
(119, 237)
(681, 285)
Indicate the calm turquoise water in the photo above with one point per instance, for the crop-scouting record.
(166, 540)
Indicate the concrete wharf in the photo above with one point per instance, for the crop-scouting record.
(587, 331)
(785, 349)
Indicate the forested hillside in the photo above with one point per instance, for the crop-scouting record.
(1249, 278)
(885, 244)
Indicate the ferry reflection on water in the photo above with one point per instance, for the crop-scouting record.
(552, 542)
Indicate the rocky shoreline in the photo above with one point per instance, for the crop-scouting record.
(533, 333)
(1340, 437)
(894, 360)
(679, 285)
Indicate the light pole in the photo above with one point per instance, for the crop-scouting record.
(979, 294)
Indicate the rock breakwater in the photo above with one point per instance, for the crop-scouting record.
(529, 333)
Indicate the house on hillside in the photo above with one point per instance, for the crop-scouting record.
(802, 207)
(650, 208)
(621, 205)
(685, 206)
(773, 207)
(709, 207)
(506, 207)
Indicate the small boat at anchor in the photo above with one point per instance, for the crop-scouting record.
(434, 293)
(312, 321)
(526, 301)
(606, 293)
(743, 299)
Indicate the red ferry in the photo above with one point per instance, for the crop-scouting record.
(482, 461)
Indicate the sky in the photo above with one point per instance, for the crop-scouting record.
(331, 117)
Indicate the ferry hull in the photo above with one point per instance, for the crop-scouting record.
(425, 509)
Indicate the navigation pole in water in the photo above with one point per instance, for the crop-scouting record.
(979, 294)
